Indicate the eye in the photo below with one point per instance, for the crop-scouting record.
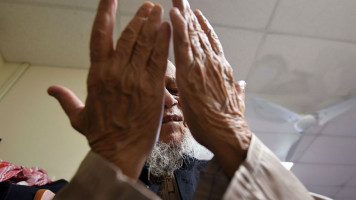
(173, 91)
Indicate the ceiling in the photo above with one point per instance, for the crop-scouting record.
(298, 54)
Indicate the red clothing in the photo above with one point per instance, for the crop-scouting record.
(22, 175)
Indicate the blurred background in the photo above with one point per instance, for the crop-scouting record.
(298, 58)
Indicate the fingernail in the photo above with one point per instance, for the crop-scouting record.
(242, 84)
(148, 3)
(157, 10)
(175, 9)
(115, 4)
(198, 11)
(158, 6)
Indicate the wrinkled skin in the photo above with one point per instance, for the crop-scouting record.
(123, 109)
(212, 105)
(172, 132)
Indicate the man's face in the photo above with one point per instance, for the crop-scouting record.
(173, 128)
(175, 140)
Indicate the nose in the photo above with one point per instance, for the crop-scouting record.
(169, 99)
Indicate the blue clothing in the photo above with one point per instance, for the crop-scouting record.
(187, 177)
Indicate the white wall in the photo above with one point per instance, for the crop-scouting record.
(34, 129)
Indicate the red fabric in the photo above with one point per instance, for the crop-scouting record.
(22, 175)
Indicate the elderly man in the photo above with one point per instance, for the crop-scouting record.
(133, 96)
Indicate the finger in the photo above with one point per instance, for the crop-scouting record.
(101, 42)
(241, 89)
(70, 103)
(182, 5)
(158, 59)
(200, 43)
(182, 47)
(146, 39)
(194, 29)
(126, 42)
(209, 31)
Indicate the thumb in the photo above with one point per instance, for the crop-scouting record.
(70, 103)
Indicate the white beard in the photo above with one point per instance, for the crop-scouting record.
(165, 158)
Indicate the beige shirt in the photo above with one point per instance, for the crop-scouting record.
(261, 176)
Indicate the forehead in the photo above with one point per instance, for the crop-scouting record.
(171, 70)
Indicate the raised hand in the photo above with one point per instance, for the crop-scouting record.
(212, 104)
(123, 110)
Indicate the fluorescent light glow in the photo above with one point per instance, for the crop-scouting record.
(287, 165)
